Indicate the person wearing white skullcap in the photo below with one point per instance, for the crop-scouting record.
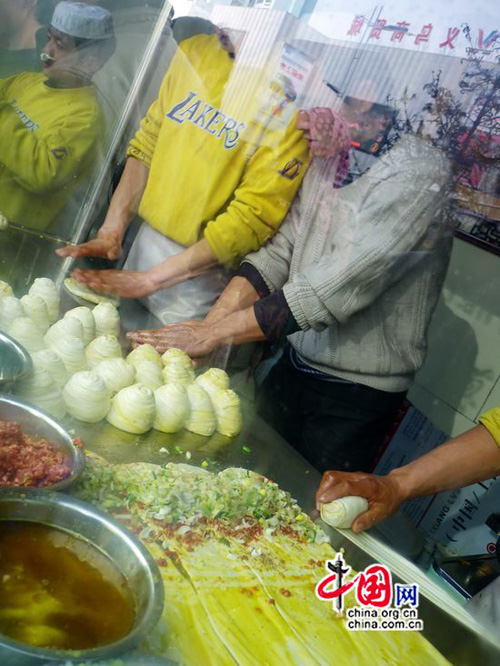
(51, 121)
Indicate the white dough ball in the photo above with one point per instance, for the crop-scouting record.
(35, 308)
(103, 347)
(49, 360)
(201, 419)
(107, 319)
(62, 329)
(87, 397)
(72, 353)
(133, 409)
(116, 373)
(25, 331)
(172, 407)
(46, 289)
(87, 320)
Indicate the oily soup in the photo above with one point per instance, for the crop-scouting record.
(58, 591)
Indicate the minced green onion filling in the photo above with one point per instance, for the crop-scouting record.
(173, 495)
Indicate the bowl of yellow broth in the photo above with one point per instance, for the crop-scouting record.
(74, 584)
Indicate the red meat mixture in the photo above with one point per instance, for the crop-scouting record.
(26, 461)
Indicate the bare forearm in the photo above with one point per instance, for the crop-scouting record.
(237, 328)
(125, 202)
(189, 263)
(468, 458)
(238, 295)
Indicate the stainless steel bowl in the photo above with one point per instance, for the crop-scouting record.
(36, 423)
(117, 543)
(15, 362)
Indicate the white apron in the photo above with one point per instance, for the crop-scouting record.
(191, 299)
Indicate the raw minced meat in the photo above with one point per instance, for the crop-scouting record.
(27, 461)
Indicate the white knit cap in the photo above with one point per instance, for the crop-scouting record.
(78, 19)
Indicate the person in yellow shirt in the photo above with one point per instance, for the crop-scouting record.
(51, 121)
(469, 458)
(211, 179)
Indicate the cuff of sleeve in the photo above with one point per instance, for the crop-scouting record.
(292, 298)
(133, 151)
(219, 247)
(252, 275)
(491, 421)
(275, 317)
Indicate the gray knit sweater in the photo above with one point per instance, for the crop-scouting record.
(362, 267)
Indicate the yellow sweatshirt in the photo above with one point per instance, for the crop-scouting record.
(491, 421)
(230, 179)
(48, 138)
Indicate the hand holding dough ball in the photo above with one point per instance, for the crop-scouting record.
(102, 348)
(116, 373)
(107, 319)
(87, 397)
(47, 290)
(172, 408)
(133, 409)
(87, 320)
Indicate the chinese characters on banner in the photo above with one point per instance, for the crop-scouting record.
(446, 40)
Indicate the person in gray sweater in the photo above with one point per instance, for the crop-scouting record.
(351, 280)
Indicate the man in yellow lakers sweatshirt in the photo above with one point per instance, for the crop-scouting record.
(51, 122)
(212, 179)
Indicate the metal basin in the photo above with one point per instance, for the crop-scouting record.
(36, 423)
(15, 362)
(118, 544)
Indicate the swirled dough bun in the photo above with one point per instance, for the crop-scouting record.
(201, 419)
(178, 373)
(144, 353)
(87, 321)
(72, 353)
(46, 289)
(172, 407)
(40, 389)
(49, 360)
(87, 397)
(107, 319)
(116, 373)
(213, 380)
(36, 309)
(68, 327)
(24, 330)
(103, 347)
(148, 374)
(10, 308)
(133, 409)
(227, 409)
(174, 355)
